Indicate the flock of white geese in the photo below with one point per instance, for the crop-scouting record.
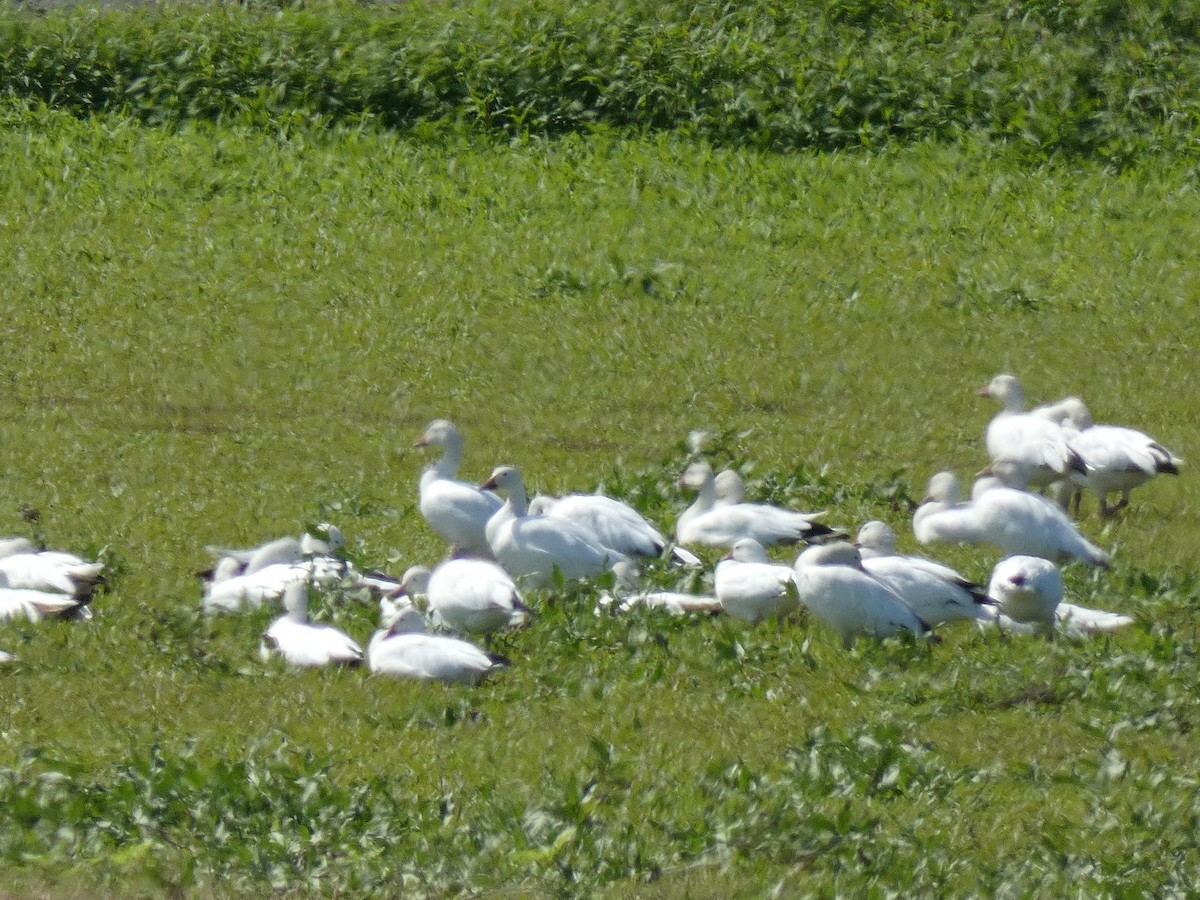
(502, 543)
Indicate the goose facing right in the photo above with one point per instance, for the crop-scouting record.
(936, 593)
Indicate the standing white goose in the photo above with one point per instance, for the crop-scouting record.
(936, 593)
(835, 588)
(401, 649)
(303, 644)
(470, 596)
(752, 588)
(457, 511)
(1032, 439)
(1005, 516)
(712, 525)
(615, 525)
(531, 548)
(1120, 459)
(325, 540)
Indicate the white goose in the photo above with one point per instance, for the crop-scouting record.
(1004, 516)
(712, 525)
(1028, 590)
(1035, 440)
(230, 592)
(401, 649)
(531, 548)
(750, 587)
(1120, 459)
(6, 658)
(51, 571)
(1030, 594)
(325, 540)
(835, 588)
(13, 546)
(457, 511)
(615, 525)
(731, 488)
(303, 644)
(470, 596)
(30, 605)
(628, 594)
(936, 593)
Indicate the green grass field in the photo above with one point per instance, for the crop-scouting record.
(216, 334)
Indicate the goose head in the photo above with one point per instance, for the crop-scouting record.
(748, 550)
(415, 581)
(943, 488)
(1008, 472)
(839, 553)
(730, 486)
(696, 476)
(440, 433)
(877, 537)
(1007, 390)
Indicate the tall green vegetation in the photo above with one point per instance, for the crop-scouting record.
(1099, 78)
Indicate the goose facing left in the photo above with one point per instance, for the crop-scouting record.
(456, 510)
(402, 649)
(531, 548)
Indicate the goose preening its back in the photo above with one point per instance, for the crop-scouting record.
(750, 587)
(936, 593)
(710, 524)
(1034, 440)
(531, 548)
(835, 588)
(302, 644)
(1004, 516)
(456, 510)
(402, 649)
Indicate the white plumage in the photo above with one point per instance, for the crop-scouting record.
(1035, 440)
(531, 548)
(613, 524)
(1027, 590)
(457, 511)
(302, 644)
(470, 596)
(1012, 520)
(936, 593)
(835, 588)
(51, 571)
(325, 540)
(752, 588)
(710, 524)
(401, 649)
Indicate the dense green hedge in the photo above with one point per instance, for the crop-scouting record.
(1106, 78)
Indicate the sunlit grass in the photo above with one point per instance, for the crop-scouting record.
(215, 336)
